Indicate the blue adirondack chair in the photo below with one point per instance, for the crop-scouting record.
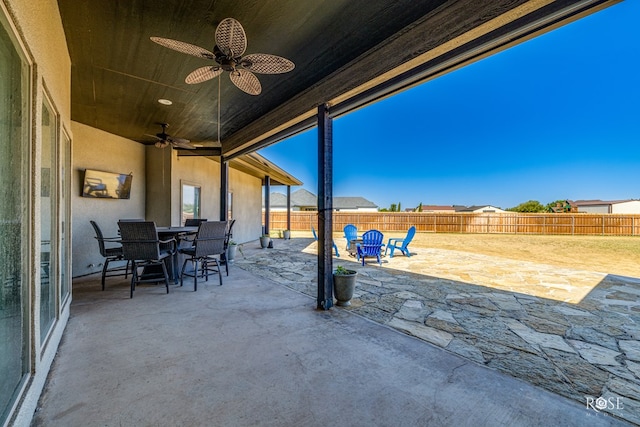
(315, 237)
(350, 233)
(402, 244)
(371, 246)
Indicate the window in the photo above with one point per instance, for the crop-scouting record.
(190, 201)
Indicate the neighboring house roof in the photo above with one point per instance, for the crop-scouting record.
(478, 208)
(600, 202)
(305, 198)
(352, 203)
(435, 208)
(277, 199)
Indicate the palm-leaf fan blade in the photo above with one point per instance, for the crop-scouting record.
(203, 74)
(246, 81)
(263, 63)
(189, 49)
(231, 38)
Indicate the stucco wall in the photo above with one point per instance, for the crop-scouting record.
(630, 207)
(602, 209)
(247, 206)
(198, 171)
(96, 149)
(158, 195)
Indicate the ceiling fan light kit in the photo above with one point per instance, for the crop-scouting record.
(231, 43)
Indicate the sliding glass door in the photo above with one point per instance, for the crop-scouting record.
(14, 219)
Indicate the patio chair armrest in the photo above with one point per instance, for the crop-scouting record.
(109, 239)
(171, 244)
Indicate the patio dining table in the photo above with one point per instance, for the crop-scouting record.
(175, 232)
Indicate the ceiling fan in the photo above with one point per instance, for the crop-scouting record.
(231, 42)
(163, 139)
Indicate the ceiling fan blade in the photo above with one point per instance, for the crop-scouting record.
(231, 38)
(246, 81)
(189, 49)
(153, 136)
(203, 74)
(263, 63)
(182, 143)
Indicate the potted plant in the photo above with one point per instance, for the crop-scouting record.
(264, 240)
(232, 249)
(286, 234)
(344, 283)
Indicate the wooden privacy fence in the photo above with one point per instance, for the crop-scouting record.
(510, 223)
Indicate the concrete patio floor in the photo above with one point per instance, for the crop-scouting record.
(253, 352)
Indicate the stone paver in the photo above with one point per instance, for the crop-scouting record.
(573, 332)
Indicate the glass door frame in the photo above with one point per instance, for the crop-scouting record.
(54, 219)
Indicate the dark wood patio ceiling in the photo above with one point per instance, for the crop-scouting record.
(347, 53)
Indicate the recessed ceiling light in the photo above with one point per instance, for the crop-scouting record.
(165, 101)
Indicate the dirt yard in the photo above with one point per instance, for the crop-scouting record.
(607, 254)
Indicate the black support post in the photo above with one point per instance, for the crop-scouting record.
(288, 207)
(267, 203)
(325, 208)
(224, 189)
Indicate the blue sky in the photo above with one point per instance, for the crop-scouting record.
(556, 117)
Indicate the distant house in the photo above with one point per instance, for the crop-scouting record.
(303, 200)
(629, 206)
(435, 209)
(564, 207)
(480, 209)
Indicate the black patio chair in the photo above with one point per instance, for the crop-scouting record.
(187, 240)
(110, 254)
(193, 222)
(208, 246)
(141, 246)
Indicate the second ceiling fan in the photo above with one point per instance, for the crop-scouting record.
(163, 139)
(231, 43)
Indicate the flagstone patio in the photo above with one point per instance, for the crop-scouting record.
(575, 333)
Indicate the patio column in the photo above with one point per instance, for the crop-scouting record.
(267, 208)
(224, 189)
(325, 208)
(288, 207)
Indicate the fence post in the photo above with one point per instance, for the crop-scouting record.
(573, 225)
